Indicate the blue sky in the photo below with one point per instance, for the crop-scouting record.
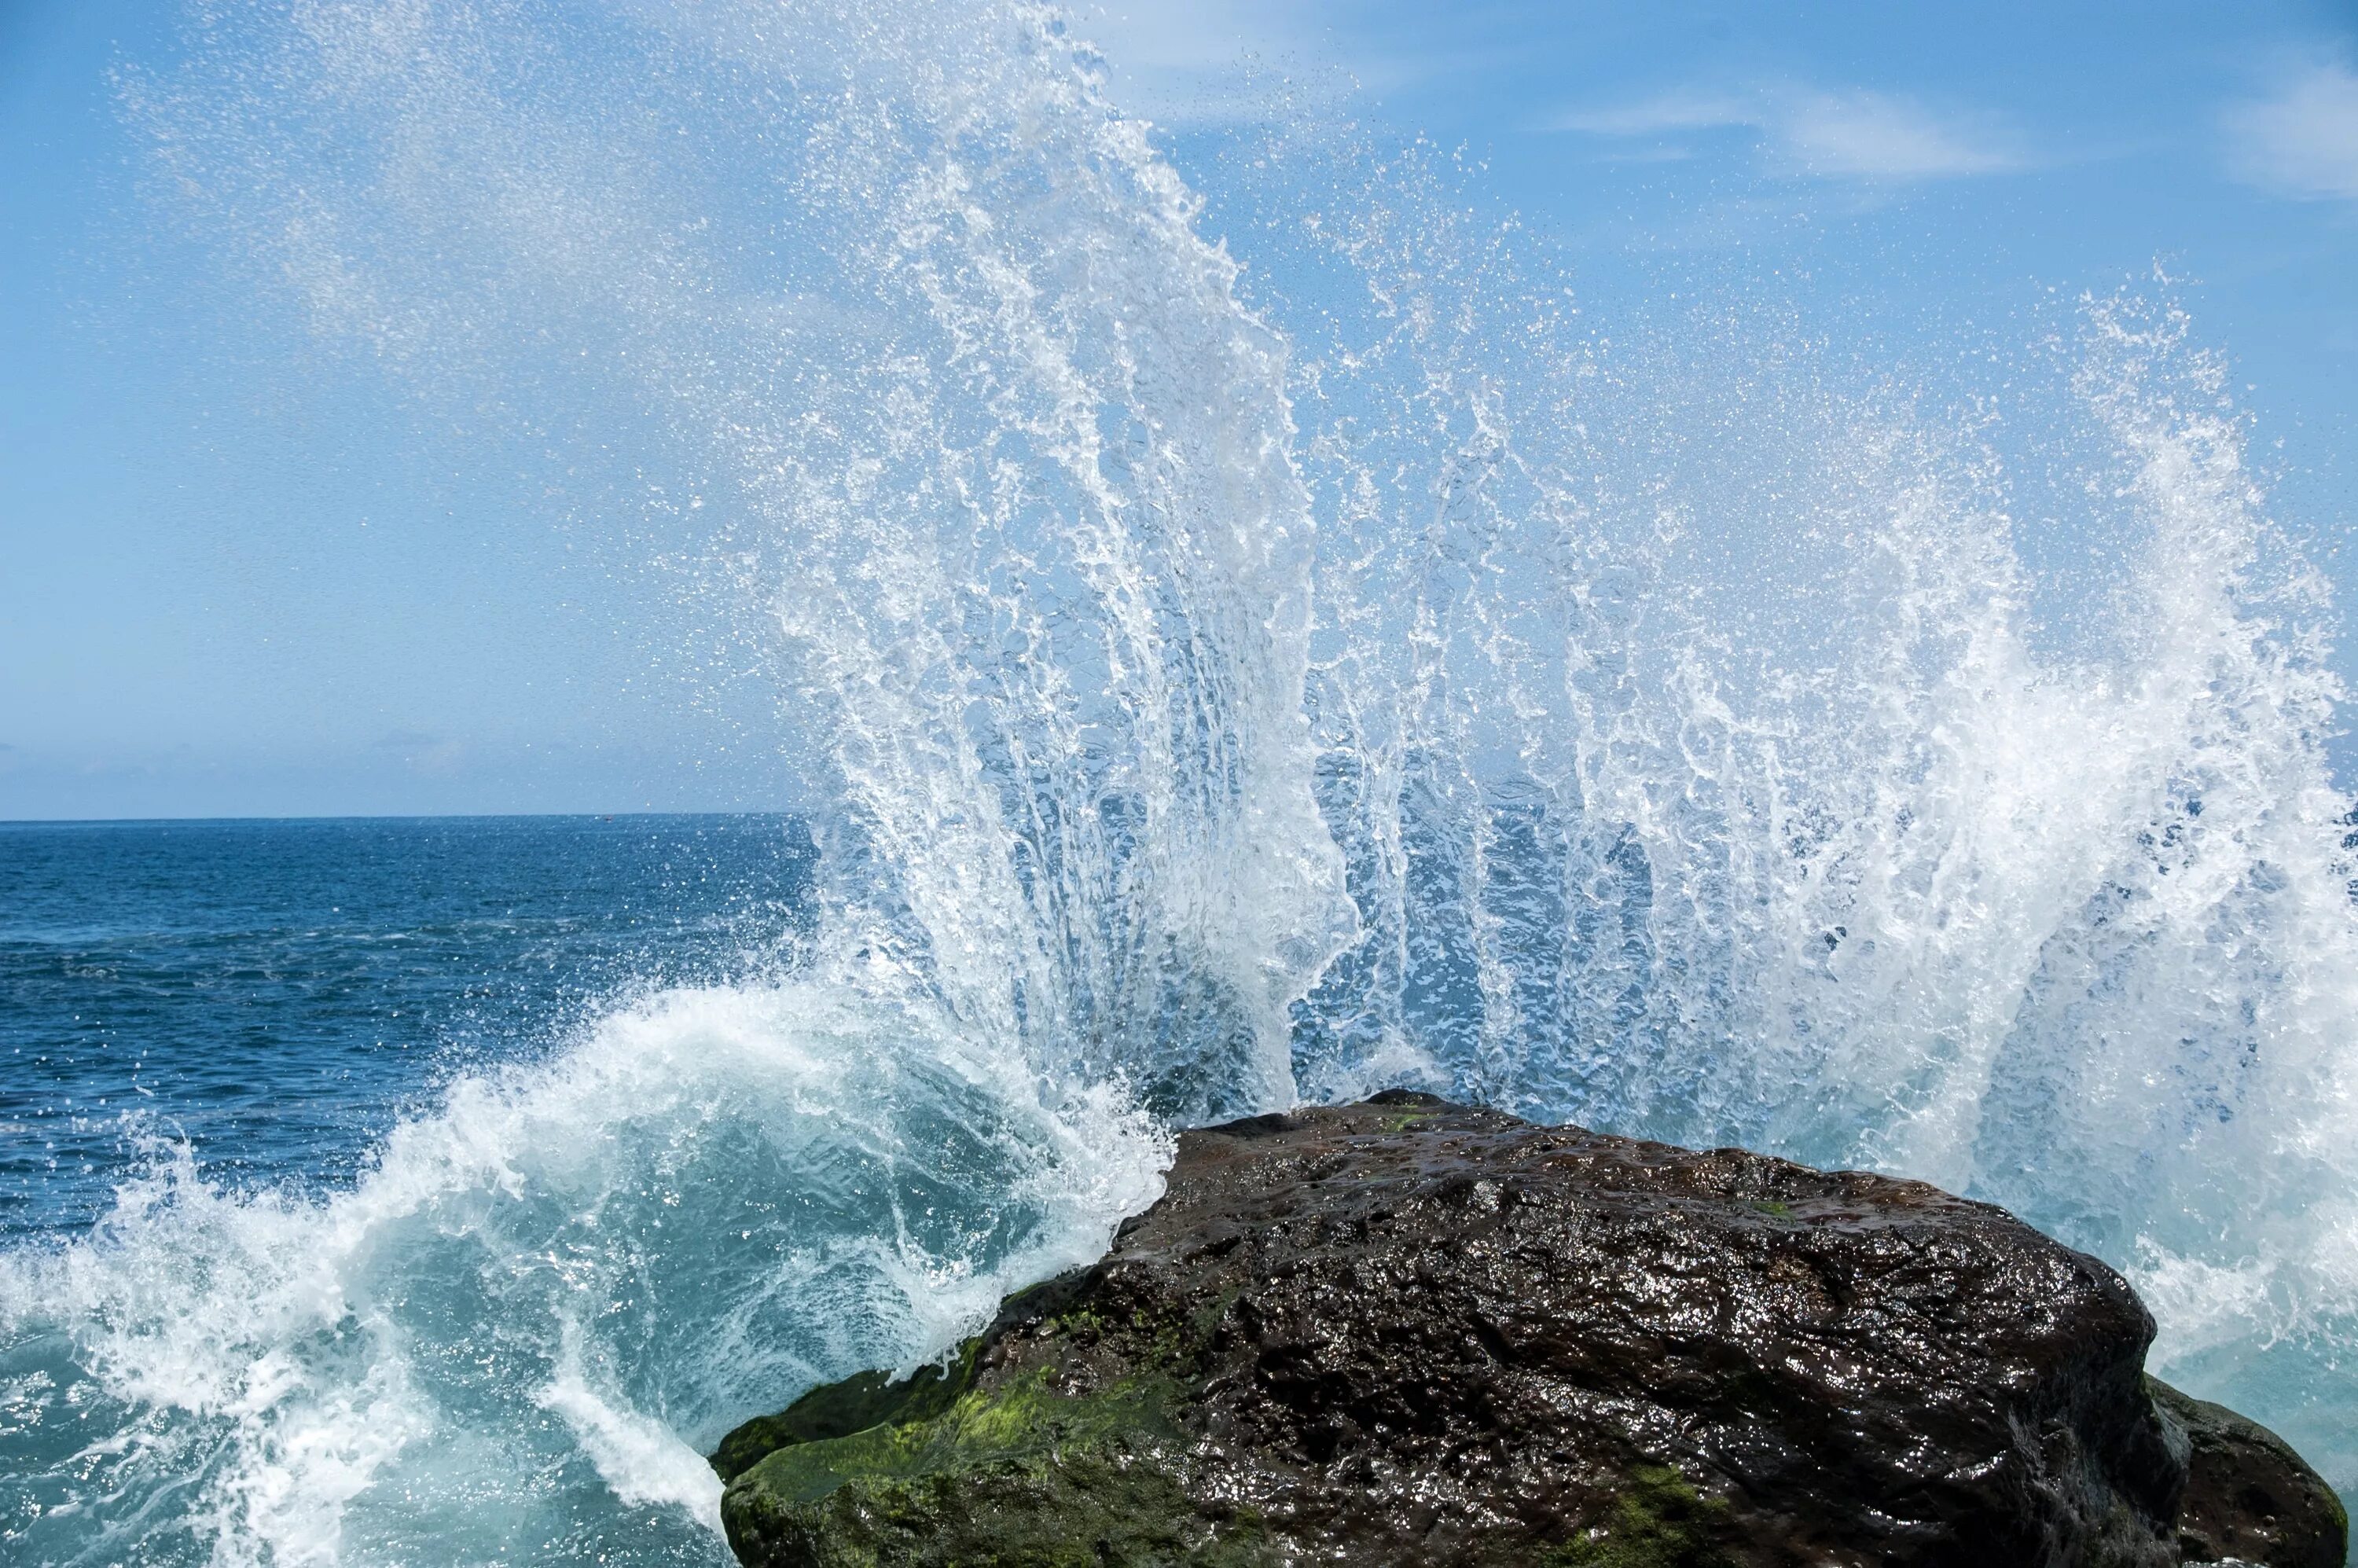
(233, 581)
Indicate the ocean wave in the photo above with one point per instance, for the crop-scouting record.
(516, 1336)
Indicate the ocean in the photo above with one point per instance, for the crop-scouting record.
(271, 997)
(438, 1190)
(1241, 636)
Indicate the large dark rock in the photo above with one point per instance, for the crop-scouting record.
(1407, 1332)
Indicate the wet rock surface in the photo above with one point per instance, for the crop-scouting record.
(2249, 1498)
(1410, 1333)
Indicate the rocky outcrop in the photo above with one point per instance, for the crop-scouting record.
(1410, 1332)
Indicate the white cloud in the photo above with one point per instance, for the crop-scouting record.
(2303, 141)
(1669, 114)
(1205, 61)
(1848, 135)
(1865, 135)
(1205, 35)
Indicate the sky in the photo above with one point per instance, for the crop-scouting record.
(232, 583)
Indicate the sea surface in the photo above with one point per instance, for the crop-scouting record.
(271, 996)
(1242, 635)
(438, 1190)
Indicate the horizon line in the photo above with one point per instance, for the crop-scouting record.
(6, 822)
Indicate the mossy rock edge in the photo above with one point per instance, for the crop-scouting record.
(1016, 1475)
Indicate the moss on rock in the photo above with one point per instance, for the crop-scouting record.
(855, 1404)
(1659, 1521)
(1020, 1475)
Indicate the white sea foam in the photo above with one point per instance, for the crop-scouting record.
(1221, 702)
(643, 1461)
(525, 1325)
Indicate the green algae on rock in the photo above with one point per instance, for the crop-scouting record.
(1021, 1473)
(840, 1410)
(1659, 1521)
(1411, 1333)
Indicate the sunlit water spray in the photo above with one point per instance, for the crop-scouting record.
(1229, 687)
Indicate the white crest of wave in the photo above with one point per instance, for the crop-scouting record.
(548, 1298)
(639, 1459)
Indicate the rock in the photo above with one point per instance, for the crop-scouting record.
(1409, 1333)
(2249, 1498)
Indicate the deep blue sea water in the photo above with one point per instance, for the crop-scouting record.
(273, 993)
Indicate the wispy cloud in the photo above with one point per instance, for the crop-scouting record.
(1867, 135)
(1851, 134)
(2302, 139)
(1672, 114)
(1209, 35)
(423, 752)
(1194, 65)
(1212, 62)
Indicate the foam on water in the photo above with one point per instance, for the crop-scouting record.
(1228, 688)
(518, 1335)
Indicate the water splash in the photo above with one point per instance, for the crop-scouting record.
(518, 1337)
(1833, 845)
(1228, 687)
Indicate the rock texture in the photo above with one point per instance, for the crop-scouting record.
(2249, 1498)
(1409, 1333)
